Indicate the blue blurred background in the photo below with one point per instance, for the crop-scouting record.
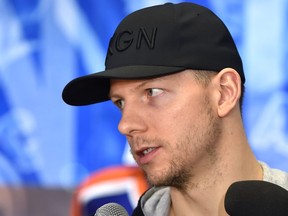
(46, 43)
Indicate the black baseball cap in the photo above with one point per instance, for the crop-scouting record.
(158, 41)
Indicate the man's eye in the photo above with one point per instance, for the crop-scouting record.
(119, 104)
(154, 92)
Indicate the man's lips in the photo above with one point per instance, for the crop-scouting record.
(144, 151)
(145, 155)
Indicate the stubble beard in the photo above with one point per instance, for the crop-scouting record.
(196, 142)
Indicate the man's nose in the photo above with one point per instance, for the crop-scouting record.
(132, 121)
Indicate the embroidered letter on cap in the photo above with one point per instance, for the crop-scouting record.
(150, 41)
(123, 40)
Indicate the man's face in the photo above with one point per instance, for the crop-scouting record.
(170, 124)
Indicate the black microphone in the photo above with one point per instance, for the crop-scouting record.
(111, 209)
(245, 198)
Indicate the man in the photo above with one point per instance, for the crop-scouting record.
(176, 75)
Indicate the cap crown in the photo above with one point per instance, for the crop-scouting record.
(177, 35)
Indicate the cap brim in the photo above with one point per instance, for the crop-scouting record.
(94, 88)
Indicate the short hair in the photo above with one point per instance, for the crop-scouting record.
(204, 77)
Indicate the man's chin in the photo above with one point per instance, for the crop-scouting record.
(156, 176)
(157, 181)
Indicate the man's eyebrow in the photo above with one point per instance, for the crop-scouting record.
(143, 83)
(113, 95)
(116, 95)
(147, 81)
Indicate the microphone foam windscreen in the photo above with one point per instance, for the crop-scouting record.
(111, 209)
(256, 198)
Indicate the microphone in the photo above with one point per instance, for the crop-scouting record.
(111, 209)
(256, 198)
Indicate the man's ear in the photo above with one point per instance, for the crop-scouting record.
(229, 86)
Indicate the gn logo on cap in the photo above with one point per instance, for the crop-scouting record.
(125, 39)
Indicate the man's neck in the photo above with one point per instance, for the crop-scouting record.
(206, 197)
